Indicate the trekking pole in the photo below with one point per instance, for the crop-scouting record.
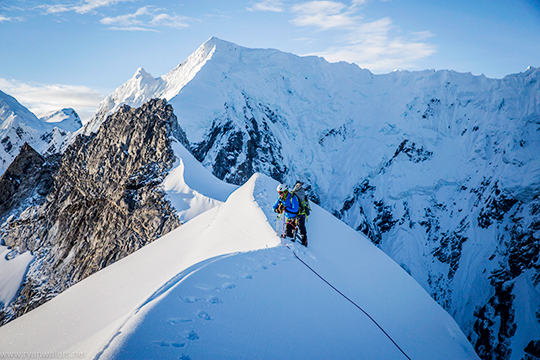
(279, 229)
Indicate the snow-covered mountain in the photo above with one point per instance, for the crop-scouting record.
(19, 126)
(66, 119)
(222, 286)
(439, 169)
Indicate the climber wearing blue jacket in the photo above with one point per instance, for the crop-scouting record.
(289, 204)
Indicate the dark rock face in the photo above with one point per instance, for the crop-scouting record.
(235, 152)
(28, 177)
(105, 202)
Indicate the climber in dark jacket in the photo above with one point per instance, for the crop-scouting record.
(289, 204)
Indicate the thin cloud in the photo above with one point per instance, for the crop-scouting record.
(3, 18)
(145, 20)
(82, 7)
(132, 28)
(43, 99)
(173, 21)
(369, 44)
(324, 15)
(268, 5)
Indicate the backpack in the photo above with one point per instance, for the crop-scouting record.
(298, 190)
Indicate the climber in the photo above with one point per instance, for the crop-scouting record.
(289, 204)
(304, 210)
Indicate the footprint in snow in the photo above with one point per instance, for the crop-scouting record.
(228, 285)
(203, 315)
(205, 287)
(214, 300)
(179, 321)
(191, 299)
(170, 344)
(192, 335)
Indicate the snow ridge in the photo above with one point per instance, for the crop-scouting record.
(221, 286)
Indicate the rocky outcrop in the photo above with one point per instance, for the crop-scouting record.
(25, 182)
(105, 202)
(234, 153)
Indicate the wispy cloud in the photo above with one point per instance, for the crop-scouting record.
(324, 15)
(4, 18)
(42, 99)
(145, 19)
(268, 5)
(81, 7)
(373, 44)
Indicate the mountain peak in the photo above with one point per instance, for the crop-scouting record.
(214, 41)
(142, 74)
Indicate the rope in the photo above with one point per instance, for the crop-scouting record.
(348, 299)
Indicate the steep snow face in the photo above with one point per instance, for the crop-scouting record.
(440, 169)
(222, 286)
(18, 126)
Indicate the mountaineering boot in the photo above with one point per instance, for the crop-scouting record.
(304, 240)
(289, 238)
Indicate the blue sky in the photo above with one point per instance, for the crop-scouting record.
(72, 53)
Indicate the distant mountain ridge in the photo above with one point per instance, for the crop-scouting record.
(439, 168)
(19, 126)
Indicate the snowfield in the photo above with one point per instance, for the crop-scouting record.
(223, 286)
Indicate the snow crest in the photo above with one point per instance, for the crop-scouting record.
(221, 286)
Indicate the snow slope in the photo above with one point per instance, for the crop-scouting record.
(222, 286)
(66, 119)
(190, 188)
